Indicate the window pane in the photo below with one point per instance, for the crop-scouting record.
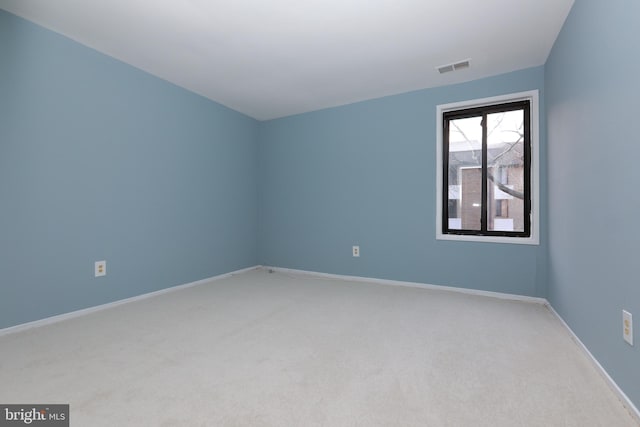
(505, 163)
(465, 174)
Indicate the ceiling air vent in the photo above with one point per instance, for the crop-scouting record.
(453, 67)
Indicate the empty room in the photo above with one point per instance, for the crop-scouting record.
(319, 213)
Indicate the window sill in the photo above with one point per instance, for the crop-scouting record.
(533, 240)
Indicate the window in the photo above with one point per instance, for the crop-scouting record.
(488, 170)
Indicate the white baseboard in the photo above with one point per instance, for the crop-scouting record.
(89, 310)
(633, 410)
(499, 295)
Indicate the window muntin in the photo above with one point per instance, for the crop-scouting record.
(486, 172)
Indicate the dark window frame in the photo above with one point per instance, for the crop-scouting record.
(483, 111)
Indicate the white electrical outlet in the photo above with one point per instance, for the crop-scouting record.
(627, 327)
(101, 268)
(356, 251)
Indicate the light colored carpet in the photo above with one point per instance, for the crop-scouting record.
(261, 349)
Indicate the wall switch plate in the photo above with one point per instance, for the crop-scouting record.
(627, 327)
(356, 251)
(101, 268)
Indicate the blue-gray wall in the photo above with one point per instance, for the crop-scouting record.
(99, 160)
(592, 92)
(365, 174)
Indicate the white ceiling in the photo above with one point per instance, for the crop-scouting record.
(274, 58)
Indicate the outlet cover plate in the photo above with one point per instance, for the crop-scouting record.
(627, 327)
(101, 268)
